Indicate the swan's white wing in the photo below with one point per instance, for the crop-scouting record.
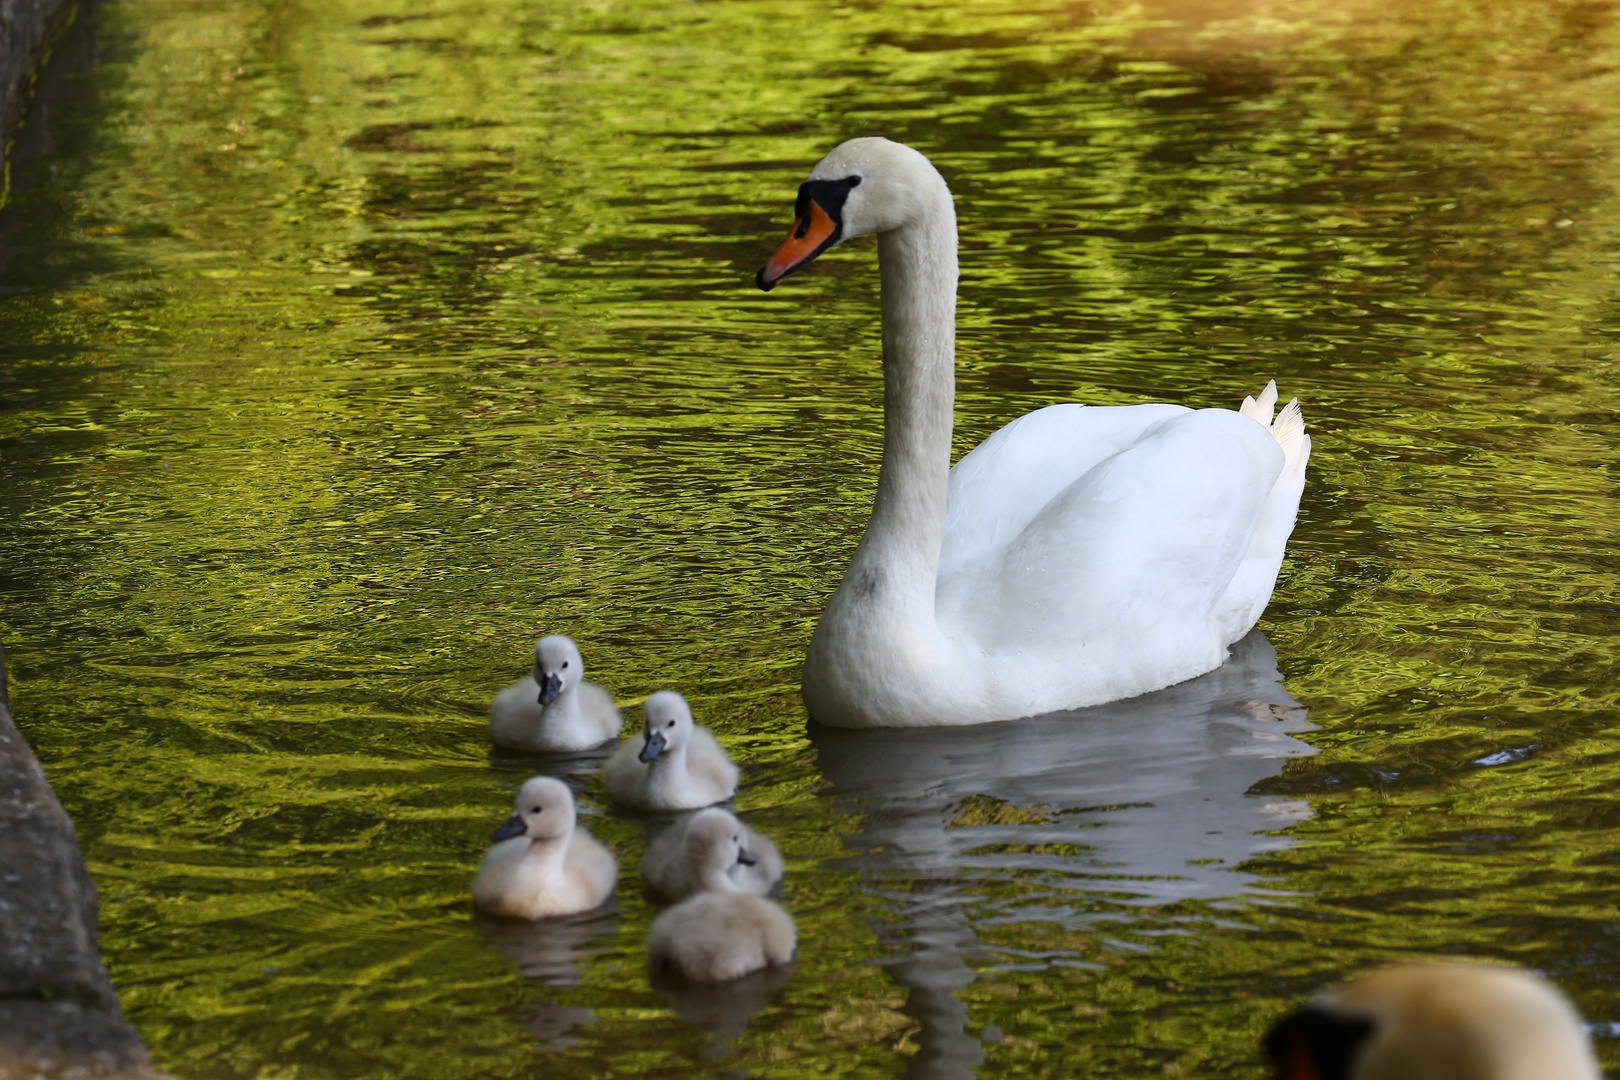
(999, 487)
(1112, 585)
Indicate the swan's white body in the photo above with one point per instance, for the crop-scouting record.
(724, 931)
(1079, 555)
(668, 869)
(686, 768)
(579, 716)
(552, 867)
(1437, 1022)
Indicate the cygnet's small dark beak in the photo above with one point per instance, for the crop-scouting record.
(550, 689)
(745, 858)
(512, 826)
(653, 747)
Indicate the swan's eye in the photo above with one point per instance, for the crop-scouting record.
(537, 809)
(853, 181)
(565, 663)
(670, 724)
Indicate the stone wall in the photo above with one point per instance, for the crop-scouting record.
(59, 1015)
(27, 28)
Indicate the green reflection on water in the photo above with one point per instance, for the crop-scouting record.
(347, 347)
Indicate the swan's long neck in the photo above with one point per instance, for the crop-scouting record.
(898, 558)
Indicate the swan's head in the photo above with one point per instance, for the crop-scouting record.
(557, 666)
(713, 845)
(1444, 1021)
(868, 185)
(668, 725)
(545, 811)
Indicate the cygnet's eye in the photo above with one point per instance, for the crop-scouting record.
(670, 724)
(853, 181)
(537, 809)
(565, 663)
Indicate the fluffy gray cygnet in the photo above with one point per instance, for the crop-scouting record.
(719, 933)
(671, 864)
(554, 708)
(541, 863)
(675, 765)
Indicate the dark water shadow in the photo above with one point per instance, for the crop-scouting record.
(1072, 818)
(575, 768)
(553, 952)
(723, 1009)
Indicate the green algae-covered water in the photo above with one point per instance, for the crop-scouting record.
(346, 347)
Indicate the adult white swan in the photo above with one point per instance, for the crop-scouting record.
(1078, 555)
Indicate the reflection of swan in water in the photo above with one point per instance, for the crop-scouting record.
(551, 952)
(723, 1009)
(1067, 817)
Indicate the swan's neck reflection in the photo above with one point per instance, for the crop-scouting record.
(938, 934)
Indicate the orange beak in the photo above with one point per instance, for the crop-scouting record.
(812, 234)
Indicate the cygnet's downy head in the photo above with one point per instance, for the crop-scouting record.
(712, 846)
(545, 811)
(557, 666)
(868, 185)
(668, 725)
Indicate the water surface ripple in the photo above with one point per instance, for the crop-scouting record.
(347, 347)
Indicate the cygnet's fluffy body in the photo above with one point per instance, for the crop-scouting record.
(542, 863)
(554, 708)
(1436, 1022)
(667, 868)
(675, 765)
(719, 933)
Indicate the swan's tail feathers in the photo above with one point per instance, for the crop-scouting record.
(1289, 431)
(1261, 410)
(1288, 428)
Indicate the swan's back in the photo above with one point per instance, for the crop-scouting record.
(599, 713)
(1001, 484)
(715, 936)
(708, 764)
